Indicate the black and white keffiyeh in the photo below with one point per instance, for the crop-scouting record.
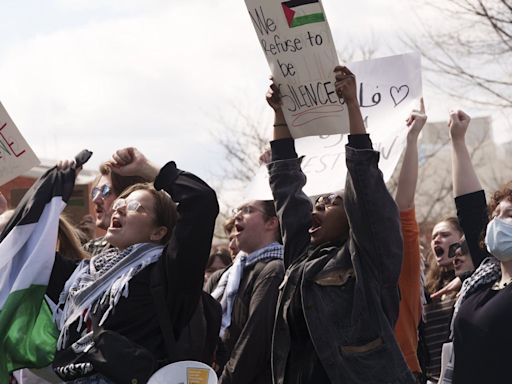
(228, 285)
(489, 271)
(102, 279)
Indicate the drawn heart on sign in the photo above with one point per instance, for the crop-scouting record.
(399, 94)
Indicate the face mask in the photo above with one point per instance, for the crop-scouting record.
(499, 239)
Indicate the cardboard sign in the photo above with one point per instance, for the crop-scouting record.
(298, 45)
(16, 156)
(389, 89)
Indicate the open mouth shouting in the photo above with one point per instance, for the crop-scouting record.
(316, 224)
(115, 223)
(239, 229)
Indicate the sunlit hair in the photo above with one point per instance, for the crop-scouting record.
(119, 182)
(437, 277)
(454, 223)
(70, 246)
(164, 208)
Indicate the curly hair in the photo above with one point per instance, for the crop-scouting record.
(505, 192)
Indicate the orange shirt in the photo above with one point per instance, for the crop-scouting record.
(406, 329)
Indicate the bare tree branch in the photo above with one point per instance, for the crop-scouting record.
(473, 49)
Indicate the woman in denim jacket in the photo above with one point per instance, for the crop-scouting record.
(339, 299)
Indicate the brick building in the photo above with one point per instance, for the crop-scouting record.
(79, 204)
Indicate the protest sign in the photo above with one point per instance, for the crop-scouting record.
(388, 89)
(16, 157)
(181, 372)
(298, 45)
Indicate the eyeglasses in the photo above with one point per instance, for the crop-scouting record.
(246, 210)
(131, 206)
(103, 191)
(453, 248)
(327, 200)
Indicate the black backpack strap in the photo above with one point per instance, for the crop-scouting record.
(164, 319)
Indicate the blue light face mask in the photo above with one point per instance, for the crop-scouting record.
(498, 239)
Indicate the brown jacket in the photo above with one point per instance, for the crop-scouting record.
(248, 339)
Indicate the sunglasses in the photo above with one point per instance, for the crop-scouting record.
(328, 200)
(102, 192)
(131, 206)
(462, 245)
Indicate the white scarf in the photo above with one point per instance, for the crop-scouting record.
(228, 285)
(102, 279)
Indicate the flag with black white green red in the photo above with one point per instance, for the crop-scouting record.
(302, 12)
(28, 334)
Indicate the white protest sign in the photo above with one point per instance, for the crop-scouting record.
(16, 157)
(388, 89)
(298, 45)
(184, 372)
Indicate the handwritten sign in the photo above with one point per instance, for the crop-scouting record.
(298, 45)
(389, 89)
(16, 157)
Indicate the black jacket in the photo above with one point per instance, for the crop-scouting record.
(349, 294)
(473, 218)
(178, 273)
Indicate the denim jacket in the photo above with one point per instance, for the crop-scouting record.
(350, 297)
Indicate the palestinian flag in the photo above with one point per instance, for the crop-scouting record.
(28, 334)
(302, 12)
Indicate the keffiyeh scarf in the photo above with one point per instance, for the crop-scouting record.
(488, 272)
(101, 280)
(230, 281)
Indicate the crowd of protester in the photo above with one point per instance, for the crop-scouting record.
(330, 289)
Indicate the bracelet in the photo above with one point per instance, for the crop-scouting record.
(281, 125)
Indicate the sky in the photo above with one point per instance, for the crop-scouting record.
(156, 74)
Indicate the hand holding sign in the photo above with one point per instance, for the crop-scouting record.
(346, 87)
(297, 43)
(324, 161)
(345, 84)
(274, 98)
(281, 130)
